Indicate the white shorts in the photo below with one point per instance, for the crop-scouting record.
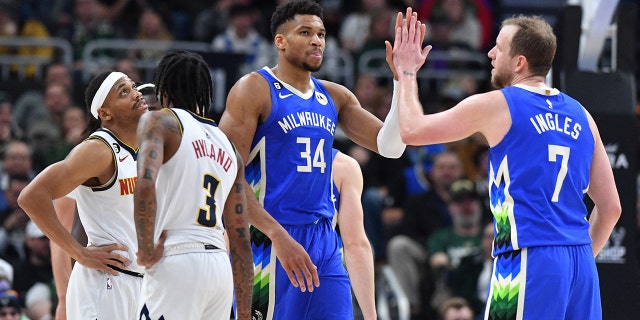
(94, 294)
(189, 282)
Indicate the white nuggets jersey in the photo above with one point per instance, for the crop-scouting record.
(192, 187)
(106, 211)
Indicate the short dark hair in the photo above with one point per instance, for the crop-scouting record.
(288, 11)
(183, 79)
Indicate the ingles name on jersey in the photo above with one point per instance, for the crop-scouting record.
(550, 122)
(127, 185)
(204, 148)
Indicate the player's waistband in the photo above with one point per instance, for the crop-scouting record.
(189, 247)
(127, 272)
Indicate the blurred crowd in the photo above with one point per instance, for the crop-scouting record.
(426, 214)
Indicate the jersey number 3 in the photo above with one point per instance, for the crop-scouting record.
(207, 214)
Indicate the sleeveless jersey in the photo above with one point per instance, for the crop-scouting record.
(289, 165)
(106, 211)
(539, 172)
(192, 187)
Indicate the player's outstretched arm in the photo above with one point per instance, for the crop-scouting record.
(237, 226)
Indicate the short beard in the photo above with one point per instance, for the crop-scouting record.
(307, 67)
(498, 82)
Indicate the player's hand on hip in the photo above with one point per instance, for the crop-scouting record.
(148, 258)
(297, 263)
(101, 257)
(407, 54)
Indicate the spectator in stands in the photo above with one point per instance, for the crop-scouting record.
(355, 26)
(8, 130)
(241, 36)
(453, 23)
(424, 214)
(214, 19)
(380, 29)
(32, 105)
(91, 22)
(35, 272)
(127, 66)
(12, 25)
(74, 122)
(10, 307)
(13, 220)
(449, 245)
(16, 160)
(152, 27)
(456, 308)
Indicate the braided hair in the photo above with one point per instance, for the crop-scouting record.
(288, 11)
(183, 80)
(89, 94)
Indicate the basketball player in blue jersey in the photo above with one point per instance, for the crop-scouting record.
(190, 178)
(283, 122)
(358, 255)
(99, 173)
(545, 154)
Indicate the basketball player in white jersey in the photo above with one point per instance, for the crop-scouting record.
(100, 174)
(189, 175)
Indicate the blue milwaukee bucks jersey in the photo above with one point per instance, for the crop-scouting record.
(289, 165)
(539, 172)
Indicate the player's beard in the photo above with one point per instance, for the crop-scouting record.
(497, 81)
(311, 68)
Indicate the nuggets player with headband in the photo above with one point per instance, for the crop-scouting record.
(545, 154)
(283, 121)
(100, 174)
(189, 174)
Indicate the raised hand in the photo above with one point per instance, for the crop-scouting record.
(407, 54)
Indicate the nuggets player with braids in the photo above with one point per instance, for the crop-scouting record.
(100, 174)
(190, 181)
(545, 154)
(283, 122)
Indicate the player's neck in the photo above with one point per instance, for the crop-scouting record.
(127, 136)
(293, 76)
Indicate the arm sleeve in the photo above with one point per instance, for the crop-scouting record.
(390, 143)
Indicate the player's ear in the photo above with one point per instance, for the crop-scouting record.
(279, 40)
(104, 114)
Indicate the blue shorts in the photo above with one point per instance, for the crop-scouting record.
(555, 282)
(274, 297)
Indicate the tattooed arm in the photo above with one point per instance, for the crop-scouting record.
(236, 222)
(158, 138)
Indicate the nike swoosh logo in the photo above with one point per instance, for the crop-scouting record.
(123, 158)
(282, 96)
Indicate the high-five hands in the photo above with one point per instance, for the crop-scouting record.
(407, 55)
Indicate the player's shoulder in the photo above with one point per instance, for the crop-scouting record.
(346, 168)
